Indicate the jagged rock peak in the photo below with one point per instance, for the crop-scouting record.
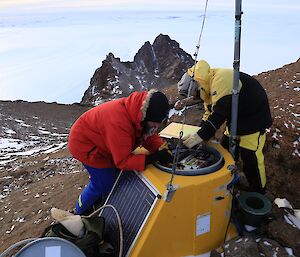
(111, 57)
(154, 66)
(165, 39)
(145, 59)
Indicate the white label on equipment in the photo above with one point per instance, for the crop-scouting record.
(53, 251)
(202, 224)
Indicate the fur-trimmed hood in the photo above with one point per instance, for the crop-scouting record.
(137, 104)
(146, 102)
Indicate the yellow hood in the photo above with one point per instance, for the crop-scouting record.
(202, 74)
(213, 83)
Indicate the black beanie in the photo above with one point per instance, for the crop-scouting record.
(158, 108)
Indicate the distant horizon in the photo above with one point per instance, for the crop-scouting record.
(78, 102)
(135, 4)
(51, 49)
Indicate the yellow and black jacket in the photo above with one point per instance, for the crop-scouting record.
(216, 91)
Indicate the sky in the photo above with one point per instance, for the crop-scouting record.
(49, 50)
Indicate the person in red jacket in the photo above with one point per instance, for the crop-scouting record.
(105, 137)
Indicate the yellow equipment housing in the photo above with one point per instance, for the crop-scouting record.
(196, 219)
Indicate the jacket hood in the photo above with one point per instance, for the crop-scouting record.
(136, 105)
(202, 74)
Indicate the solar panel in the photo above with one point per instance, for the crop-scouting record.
(134, 198)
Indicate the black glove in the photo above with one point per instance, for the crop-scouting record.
(163, 156)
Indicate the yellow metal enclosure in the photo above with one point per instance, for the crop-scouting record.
(195, 221)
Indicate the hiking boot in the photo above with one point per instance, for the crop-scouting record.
(98, 204)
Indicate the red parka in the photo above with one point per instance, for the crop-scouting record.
(106, 135)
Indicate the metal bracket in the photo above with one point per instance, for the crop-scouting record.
(232, 168)
(171, 189)
(234, 172)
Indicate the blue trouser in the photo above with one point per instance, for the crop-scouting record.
(101, 182)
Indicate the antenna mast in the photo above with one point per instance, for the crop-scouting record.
(236, 77)
(170, 187)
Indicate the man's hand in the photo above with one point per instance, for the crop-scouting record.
(163, 156)
(192, 140)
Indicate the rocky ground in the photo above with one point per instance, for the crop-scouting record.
(37, 172)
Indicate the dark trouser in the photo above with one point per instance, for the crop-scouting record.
(250, 164)
(101, 182)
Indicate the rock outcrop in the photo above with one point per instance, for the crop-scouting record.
(154, 66)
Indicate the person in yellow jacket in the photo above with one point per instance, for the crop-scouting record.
(254, 117)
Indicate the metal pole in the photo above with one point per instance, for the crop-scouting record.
(236, 77)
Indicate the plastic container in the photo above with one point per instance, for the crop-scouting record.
(254, 207)
(50, 247)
